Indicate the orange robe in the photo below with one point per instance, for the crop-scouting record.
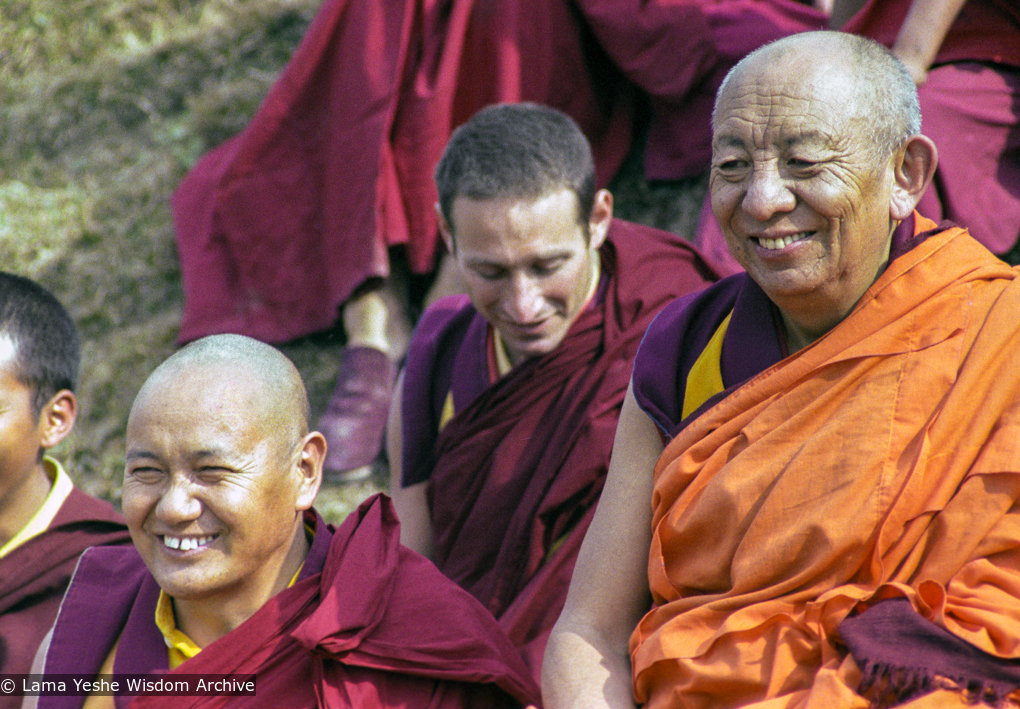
(883, 460)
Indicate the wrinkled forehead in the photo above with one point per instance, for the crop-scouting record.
(784, 102)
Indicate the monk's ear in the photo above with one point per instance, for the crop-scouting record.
(57, 418)
(444, 229)
(309, 469)
(601, 217)
(913, 169)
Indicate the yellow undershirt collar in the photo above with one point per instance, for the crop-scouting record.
(41, 520)
(705, 378)
(180, 647)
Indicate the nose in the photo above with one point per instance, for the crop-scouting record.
(767, 194)
(523, 300)
(178, 503)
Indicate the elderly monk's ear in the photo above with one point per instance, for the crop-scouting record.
(601, 217)
(444, 229)
(309, 469)
(914, 167)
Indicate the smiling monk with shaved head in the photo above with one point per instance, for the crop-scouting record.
(235, 573)
(814, 494)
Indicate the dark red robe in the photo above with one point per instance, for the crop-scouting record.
(515, 475)
(367, 624)
(34, 576)
(277, 227)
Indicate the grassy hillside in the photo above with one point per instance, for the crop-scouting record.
(106, 104)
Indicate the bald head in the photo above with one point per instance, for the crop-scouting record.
(220, 469)
(279, 391)
(858, 73)
(816, 158)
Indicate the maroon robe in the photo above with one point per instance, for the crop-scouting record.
(34, 576)
(515, 475)
(276, 227)
(368, 624)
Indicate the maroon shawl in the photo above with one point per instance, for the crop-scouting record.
(276, 227)
(34, 576)
(516, 474)
(368, 624)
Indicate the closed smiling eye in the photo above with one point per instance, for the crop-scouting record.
(145, 474)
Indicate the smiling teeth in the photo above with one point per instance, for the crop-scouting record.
(186, 543)
(782, 242)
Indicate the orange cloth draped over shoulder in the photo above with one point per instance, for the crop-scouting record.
(883, 460)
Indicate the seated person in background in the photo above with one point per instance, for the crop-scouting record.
(500, 434)
(45, 522)
(832, 520)
(235, 573)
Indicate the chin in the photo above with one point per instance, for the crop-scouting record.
(537, 348)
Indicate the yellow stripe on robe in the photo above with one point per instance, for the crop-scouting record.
(705, 378)
(41, 520)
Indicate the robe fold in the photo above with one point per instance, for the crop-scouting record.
(515, 475)
(279, 225)
(368, 623)
(34, 575)
(878, 462)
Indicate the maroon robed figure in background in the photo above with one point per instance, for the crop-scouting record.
(278, 226)
(34, 576)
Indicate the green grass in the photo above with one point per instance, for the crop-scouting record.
(106, 104)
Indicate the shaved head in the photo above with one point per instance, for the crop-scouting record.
(283, 398)
(879, 88)
(219, 470)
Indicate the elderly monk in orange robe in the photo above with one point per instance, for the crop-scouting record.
(832, 519)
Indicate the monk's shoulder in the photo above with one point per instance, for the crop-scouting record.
(435, 324)
(80, 508)
(647, 252)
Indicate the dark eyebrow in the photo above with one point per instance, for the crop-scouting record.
(475, 263)
(482, 263)
(553, 257)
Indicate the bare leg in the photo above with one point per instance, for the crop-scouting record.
(378, 318)
(378, 332)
